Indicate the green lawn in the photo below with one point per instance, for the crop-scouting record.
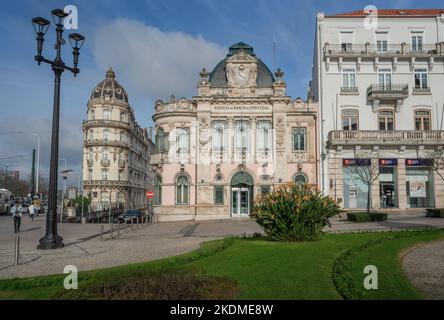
(331, 268)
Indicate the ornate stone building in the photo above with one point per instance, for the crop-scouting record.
(240, 136)
(116, 152)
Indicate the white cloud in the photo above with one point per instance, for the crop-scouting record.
(152, 63)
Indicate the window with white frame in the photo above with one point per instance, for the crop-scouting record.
(299, 139)
(350, 120)
(381, 41)
(106, 135)
(104, 174)
(182, 140)
(417, 40)
(346, 38)
(422, 120)
(105, 155)
(123, 116)
(263, 136)
(348, 79)
(107, 114)
(385, 78)
(242, 136)
(218, 136)
(421, 79)
(386, 120)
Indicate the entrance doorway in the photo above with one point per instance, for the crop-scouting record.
(240, 201)
(241, 194)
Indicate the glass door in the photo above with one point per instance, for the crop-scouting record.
(240, 201)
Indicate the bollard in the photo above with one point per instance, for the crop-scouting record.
(16, 250)
(111, 231)
(118, 229)
(101, 232)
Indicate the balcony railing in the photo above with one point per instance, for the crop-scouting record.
(108, 143)
(106, 124)
(390, 91)
(105, 162)
(349, 89)
(384, 50)
(421, 89)
(398, 137)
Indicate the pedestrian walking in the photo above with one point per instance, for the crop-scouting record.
(32, 210)
(17, 216)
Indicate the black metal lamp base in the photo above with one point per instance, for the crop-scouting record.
(50, 242)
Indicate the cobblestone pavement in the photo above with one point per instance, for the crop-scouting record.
(424, 266)
(84, 248)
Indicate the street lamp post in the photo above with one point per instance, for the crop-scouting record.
(51, 240)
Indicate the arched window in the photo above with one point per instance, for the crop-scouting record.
(159, 140)
(242, 136)
(182, 189)
(300, 179)
(105, 155)
(158, 190)
(219, 136)
(263, 135)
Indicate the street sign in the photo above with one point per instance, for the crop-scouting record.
(150, 194)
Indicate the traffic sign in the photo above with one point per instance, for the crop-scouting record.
(150, 194)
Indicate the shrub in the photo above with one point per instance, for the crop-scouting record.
(161, 285)
(435, 213)
(294, 213)
(366, 217)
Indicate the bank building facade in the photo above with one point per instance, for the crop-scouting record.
(239, 137)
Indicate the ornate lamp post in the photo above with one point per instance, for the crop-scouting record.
(51, 239)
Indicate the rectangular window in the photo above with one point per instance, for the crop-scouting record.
(385, 78)
(106, 135)
(265, 190)
(349, 79)
(92, 115)
(421, 79)
(299, 139)
(386, 121)
(218, 195)
(107, 114)
(242, 136)
(182, 140)
(104, 175)
(350, 120)
(346, 38)
(263, 136)
(381, 46)
(417, 41)
(218, 136)
(422, 120)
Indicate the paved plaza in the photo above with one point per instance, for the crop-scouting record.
(85, 249)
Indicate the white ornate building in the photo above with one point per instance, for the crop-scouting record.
(379, 85)
(240, 136)
(116, 152)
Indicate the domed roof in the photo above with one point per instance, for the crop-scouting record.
(218, 77)
(110, 89)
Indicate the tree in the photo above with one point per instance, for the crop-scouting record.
(438, 162)
(367, 171)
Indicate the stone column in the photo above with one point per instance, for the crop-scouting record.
(231, 135)
(252, 157)
(439, 189)
(402, 187)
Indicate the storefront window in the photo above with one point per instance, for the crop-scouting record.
(420, 190)
(355, 191)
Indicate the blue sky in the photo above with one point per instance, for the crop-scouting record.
(157, 48)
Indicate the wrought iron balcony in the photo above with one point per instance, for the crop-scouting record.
(373, 137)
(109, 143)
(388, 92)
(419, 89)
(106, 124)
(122, 163)
(349, 90)
(105, 162)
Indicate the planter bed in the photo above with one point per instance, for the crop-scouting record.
(435, 213)
(366, 217)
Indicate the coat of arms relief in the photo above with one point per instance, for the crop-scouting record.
(241, 70)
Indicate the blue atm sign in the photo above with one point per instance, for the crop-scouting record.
(419, 162)
(356, 162)
(388, 162)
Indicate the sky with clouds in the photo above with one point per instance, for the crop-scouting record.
(156, 47)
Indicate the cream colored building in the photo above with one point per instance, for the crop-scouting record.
(239, 137)
(116, 152)
(379, 85)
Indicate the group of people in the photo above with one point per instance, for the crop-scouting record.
(17, 212)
